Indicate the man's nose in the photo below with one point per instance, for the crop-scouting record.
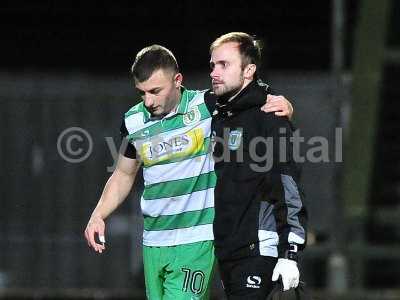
(214, 74)
(148, 100)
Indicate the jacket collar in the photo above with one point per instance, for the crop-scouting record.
(253, 95)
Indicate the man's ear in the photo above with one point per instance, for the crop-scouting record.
(249, 71)
(178, 80)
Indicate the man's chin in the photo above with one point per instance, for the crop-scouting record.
(158, 114)
(218, 91)
(155, 113)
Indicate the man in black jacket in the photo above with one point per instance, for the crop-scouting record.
(260, 217)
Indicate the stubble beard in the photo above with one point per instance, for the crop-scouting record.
(228, 92)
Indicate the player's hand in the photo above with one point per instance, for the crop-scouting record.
(287, 269)
(95, 226)
(278, 104)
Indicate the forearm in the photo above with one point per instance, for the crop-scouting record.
(289, 210)
(115, 192)
(294, 216)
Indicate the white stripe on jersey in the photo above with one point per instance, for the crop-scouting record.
(179, 170)
(178, 236)
(179, 204)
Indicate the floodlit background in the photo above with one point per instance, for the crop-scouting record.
(64, 73)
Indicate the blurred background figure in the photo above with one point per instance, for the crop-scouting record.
(65, 83)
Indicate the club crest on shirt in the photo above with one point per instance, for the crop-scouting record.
(235, 139)
(192, 116)
(145, 133)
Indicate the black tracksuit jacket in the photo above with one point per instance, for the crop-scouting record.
(258, 204)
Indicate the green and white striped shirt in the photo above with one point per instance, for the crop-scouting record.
(178, 169)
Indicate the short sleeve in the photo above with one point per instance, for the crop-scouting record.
(127, 149)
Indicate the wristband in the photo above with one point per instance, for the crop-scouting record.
(291, 253)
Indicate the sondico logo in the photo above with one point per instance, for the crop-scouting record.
(253, 282)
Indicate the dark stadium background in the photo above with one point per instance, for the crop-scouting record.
(66, 64)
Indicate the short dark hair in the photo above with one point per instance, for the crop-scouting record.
(249, 47)
(153, 58)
